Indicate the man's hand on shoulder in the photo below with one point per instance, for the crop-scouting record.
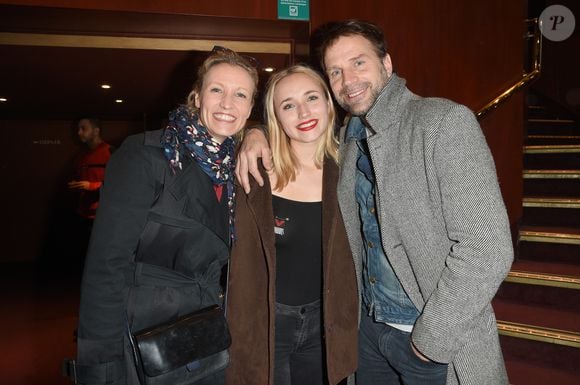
(254, 146)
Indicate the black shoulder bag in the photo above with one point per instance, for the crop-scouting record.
(184, 350)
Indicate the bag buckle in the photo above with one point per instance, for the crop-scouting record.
(69, 369)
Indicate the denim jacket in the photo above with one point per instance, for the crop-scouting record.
(382, 292)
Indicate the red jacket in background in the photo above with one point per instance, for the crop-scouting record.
(90, 166)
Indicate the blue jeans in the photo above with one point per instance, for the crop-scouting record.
(386, 357)
(299, 356)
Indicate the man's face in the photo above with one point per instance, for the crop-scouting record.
(355, 72)
(87, 133)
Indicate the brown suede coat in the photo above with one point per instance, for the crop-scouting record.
(251, 295)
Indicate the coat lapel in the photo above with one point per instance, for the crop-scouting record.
(194, 188)
(200, 202)
(259, 202)
(387, 146)
(346, 193)
(329, 212)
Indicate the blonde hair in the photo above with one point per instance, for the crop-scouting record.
(284, 161)
(221, 56)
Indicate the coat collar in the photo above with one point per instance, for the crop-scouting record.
(193, 185)
(153, 138)
(387, 106)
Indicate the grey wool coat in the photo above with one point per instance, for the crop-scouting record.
(443, 225)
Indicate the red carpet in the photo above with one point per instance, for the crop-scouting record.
(38, 320)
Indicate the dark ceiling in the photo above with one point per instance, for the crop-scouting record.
(63, 83)
(43, 78)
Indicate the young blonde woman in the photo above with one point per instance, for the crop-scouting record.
(292, 283)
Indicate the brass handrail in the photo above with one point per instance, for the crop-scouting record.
(526, 78)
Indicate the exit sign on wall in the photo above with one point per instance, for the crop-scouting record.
(294, 9)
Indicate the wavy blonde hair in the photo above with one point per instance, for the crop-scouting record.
(284, 161)
(223, 56)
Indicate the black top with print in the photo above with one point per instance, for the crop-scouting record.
(298, 228)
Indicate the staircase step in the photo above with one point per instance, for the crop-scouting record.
(543, 279)
(550, 121)
(540, 301)
(540, 292)
(551, 174)
(539, 320)
(548, 266)
(552, 127)
(552, 139)
(550, 235)
(536, 333)
(550, 258)
(536, 186)
(536, 363)
(552, 202)
(551, 182)
(547, 136)
(551, 211)
(551, 149)
(536, 107)
(559, 157)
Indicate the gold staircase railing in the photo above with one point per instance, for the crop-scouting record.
(527, 77)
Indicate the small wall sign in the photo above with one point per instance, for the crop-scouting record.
(294, 9)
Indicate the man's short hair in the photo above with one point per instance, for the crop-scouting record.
(94, 121)
(327, 34)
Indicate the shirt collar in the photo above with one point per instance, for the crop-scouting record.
(356, 128)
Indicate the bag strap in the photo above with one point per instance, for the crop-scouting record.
(227, 289)
(135, 353)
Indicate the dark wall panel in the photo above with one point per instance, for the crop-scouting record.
(467, 51)
(37, 207)
(259, 9)
(560, 80)
(462, 50)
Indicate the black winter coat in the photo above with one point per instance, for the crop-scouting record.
(159, 242)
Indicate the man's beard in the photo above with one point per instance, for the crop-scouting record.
(374, 94)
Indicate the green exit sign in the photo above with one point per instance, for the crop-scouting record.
(294, 9)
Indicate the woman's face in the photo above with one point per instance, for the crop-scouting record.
(301, 108)
(225, 100)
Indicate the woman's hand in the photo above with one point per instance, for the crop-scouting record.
(254, 146)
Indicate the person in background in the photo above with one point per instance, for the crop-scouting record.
(292, 289)
(89, 166)
(164, 226)
(88, 175)
(424, 216)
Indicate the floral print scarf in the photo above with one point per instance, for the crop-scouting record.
(185, 135)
